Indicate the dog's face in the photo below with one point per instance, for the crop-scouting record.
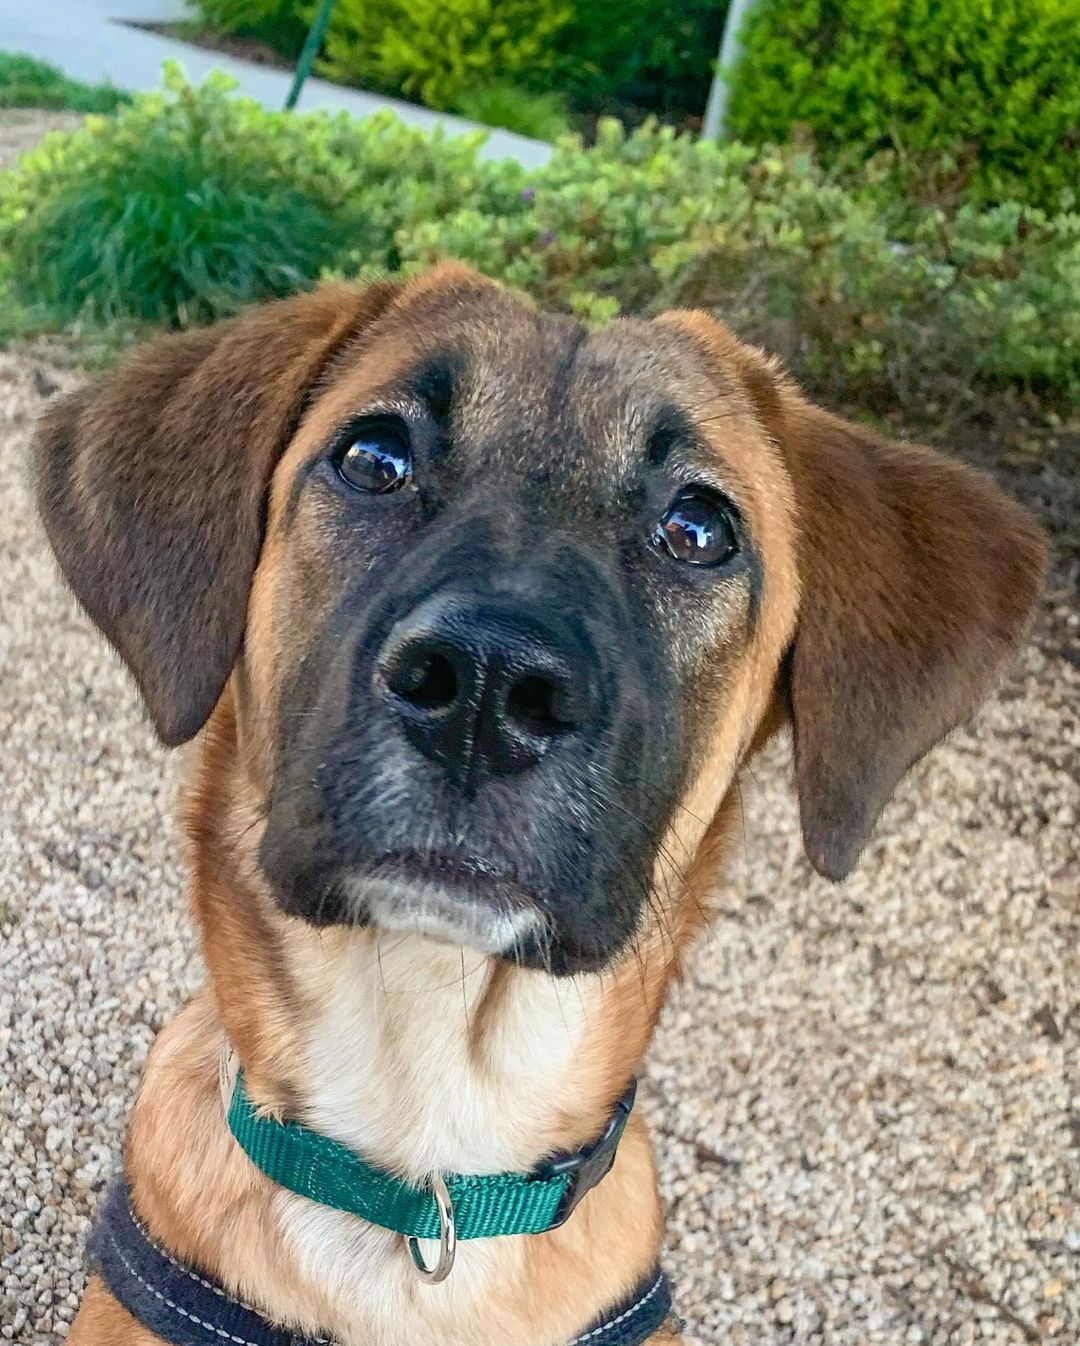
(509, 556)
(504, 602)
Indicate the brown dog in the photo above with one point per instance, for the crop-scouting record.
(475, 616)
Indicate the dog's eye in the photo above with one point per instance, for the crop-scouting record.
(376, 457)
(699, 527)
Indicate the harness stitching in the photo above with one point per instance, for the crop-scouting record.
(209, 1327)
(194, 1276)
(627, 1313)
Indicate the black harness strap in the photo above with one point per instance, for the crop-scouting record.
(185, 1308)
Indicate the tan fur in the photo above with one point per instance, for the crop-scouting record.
(101, 1319)
(417, 1054)
(207, 1204)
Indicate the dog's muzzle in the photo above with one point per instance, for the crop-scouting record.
(482, 759)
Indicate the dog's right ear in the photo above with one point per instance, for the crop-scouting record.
(152, 487)
(919, 581)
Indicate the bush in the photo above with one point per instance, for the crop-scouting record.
(186, 205)
(604, 54)
(649, 55)
(996, 85)
(25, 82)
(281, 24)
(540, 115)
(435, 50)
(191, 203)
(881, 306)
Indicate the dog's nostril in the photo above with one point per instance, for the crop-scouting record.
(540, 705)
(426, 680)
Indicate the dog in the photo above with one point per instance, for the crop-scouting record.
(473, 616)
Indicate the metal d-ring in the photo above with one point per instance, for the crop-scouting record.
(447, 1238)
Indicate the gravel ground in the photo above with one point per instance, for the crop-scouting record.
(867, 1097)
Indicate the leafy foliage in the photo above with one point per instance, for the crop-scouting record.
(650, 55)
(186, 205)
(25, 82)
(540, 115)
(191, 203)
(281, 24)
(993, 83)
(872, 300)
(435, 50)
(603, 54)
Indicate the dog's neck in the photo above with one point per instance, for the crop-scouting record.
(422, 1056)
(426, 1059)
(422, 1059)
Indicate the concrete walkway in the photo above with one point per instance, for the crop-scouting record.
(88, 40)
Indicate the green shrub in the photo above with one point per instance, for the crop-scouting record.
(177, 211)
(540, 115)
(995, 83)
(875, 305)
(188, 204)
(25, 82)
(281, 24)
(605, 54)
(650, 54)
(434, 50)
(191, 203)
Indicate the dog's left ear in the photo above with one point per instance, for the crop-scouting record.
(918, 580)
(152, 486)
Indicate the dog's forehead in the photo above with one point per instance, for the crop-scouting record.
(535, 385)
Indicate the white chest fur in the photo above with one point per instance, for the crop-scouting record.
(424, 1059)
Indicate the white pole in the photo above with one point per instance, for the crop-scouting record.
(715, 117)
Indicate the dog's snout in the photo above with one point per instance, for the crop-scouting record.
(486, 687)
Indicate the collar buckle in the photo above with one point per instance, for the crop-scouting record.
(587, 1167)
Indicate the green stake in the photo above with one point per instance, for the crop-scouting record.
(312, 43)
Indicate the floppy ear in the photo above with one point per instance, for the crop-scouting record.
(918, 580)
(152, 487)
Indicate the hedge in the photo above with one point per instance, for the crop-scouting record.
(192, 202)
(603, 54)
(188, 204)
(26, 82)
(435, 50)
(994, 84)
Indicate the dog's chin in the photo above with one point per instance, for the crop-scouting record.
(447, 902)
(506, 926)
(456, 901)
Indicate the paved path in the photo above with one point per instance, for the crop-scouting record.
(85, 40)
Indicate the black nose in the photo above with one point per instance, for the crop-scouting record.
(485, 687)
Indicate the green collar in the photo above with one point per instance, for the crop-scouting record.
(481, 1205)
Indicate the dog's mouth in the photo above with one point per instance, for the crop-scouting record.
(452, 898)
